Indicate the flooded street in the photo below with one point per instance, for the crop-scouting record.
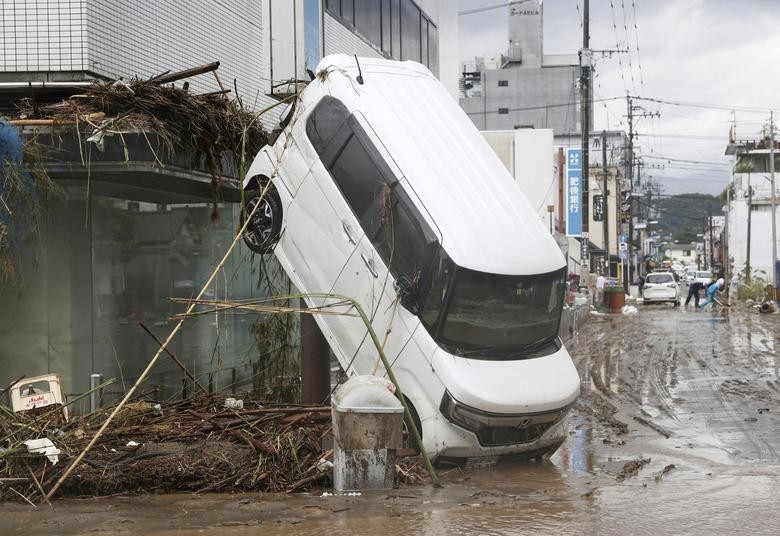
(676, 431)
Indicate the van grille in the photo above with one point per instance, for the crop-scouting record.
(494, 436)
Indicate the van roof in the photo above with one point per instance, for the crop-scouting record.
(485, 221)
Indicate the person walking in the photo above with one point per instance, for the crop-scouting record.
(601, 282)
(712, 292)
(694, 290)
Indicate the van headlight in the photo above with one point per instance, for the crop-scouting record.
(464, 416)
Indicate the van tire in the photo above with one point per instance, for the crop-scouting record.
(408, 438)
(263, 231)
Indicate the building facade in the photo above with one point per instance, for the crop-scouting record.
(524, 88)
(117, 243)
(749, 210)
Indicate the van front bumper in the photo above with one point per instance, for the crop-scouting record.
(497, 429)
(466, 435)
(459, 447)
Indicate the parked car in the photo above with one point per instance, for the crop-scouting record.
(383, 190)
(661, 287)
(703, 277)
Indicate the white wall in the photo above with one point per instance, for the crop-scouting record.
(761, 225)
(284, 30)
(528, 155)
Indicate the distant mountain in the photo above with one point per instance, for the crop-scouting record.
(686, 215)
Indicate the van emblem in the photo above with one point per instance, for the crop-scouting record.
(524, 423)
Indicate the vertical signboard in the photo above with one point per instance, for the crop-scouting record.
(573, 192)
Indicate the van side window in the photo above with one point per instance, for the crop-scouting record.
(401, 236)
(360, 180)
(324, 121)
(440, 276)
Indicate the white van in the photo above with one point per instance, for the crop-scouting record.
(384, 191)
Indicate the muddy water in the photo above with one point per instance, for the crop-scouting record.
(676, 432)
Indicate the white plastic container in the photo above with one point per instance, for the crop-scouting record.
(38, 392)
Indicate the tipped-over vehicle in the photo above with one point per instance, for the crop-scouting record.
(384, 191)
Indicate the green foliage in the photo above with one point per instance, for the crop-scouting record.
(26, 188)
(684, 216)
(752, 289)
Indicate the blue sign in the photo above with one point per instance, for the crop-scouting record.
(573, 194)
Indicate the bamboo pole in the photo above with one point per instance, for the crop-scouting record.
(175, 359)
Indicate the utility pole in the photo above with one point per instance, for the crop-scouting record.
(585, 65)
(750, 212)
(630, 167)
(712, 257)
(774, 207)
(606, 199)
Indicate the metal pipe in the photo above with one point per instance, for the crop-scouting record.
(96, 395)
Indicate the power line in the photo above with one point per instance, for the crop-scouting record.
(490, 8)
(540, 107)
(704, 105)
(672, 159)
(682, 136)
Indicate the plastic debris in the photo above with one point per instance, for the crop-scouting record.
(44, 446)
(325, 465)
(234, 403)
(629, 310)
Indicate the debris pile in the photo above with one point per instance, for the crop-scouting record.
(207, 131)
(196, 445)
(209, 126)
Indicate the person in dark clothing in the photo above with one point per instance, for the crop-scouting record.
(694, 290)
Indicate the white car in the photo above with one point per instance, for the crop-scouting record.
(703, 277)
(661, 287)
(384, 191)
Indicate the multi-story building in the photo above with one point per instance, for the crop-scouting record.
(750, 209)
(524, 88)
(124, 237)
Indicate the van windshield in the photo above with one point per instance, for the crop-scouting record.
(490, 314)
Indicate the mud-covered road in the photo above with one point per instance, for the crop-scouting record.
(677, 432)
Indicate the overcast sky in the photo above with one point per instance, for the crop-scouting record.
(714, 52)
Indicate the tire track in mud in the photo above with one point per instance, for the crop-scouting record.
(718, 396)
(687, 373)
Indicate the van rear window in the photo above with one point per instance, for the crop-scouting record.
(324, 121)
(656, 279)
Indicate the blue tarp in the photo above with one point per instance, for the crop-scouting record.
(11, 153)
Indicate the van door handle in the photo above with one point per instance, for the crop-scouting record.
(369, 264)
(348, 232)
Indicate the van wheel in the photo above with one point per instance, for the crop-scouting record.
(262, 232)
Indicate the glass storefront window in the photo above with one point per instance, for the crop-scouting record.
(101, 268)
(397, 28)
